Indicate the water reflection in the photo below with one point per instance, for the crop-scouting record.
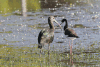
(9, 6)
(24, 8)
(51, 3)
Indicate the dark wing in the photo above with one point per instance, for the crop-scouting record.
(45, 36)
(70, 32)
(39, 36)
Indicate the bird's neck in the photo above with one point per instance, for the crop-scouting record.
(66, 25)
(51, 24)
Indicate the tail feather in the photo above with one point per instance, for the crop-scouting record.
(40, 46)
(77, 36)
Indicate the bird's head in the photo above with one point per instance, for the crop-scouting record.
(63, 20)
(66, 24)
(51, 19)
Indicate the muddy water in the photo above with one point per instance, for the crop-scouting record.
(82, 16)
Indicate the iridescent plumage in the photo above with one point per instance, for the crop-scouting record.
(68, 31)
(46, 36)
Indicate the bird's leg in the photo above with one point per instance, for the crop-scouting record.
(70, 60)
(48, 48)
(40, 57)
(70, 52)
(49, 54)
(40, 52)
(72, 44)
(69, 42)
(71, 56)
(70, 48)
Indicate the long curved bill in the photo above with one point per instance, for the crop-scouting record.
(58, 24)
(61, 23)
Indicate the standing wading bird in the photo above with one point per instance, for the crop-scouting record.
(70, 33)
(46, 36)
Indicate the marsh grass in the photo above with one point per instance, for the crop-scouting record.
(25, 56)
(6, 32)
(13, 56)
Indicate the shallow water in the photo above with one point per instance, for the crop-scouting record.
(82, 16)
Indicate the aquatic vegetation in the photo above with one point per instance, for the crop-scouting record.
(24, 56)
(33, 5)
(30, 56)
(6, 32)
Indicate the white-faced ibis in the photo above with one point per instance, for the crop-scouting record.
(46, 35)
(70, 33)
